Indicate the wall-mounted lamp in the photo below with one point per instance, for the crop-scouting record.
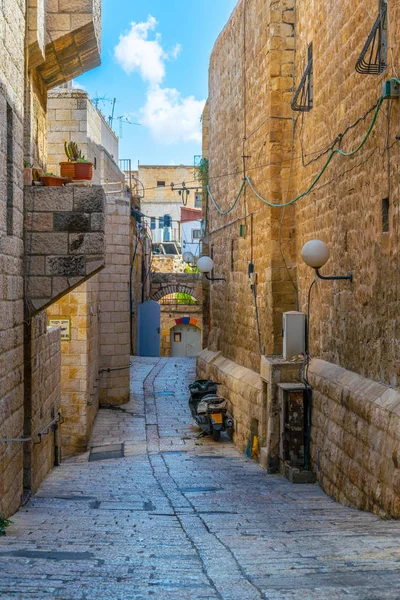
(205, 265)
(316, 254)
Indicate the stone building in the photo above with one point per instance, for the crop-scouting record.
(279, 102)
(95, 360)
(72, 116)
(42, 45)
(159, 199)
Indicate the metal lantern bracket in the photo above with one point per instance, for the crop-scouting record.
(333, 277)
(303, 98)
(214, 278)
(373, 58)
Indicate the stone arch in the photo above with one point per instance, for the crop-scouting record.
(179, 288)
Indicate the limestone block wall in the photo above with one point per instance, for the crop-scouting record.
(73, 33)
(72, 117)
(250, 89)
(12, 40)
(355, 326)
(79, 364)
(355, 439)
(114, 303)
(36, 31)
(64, 240)
(45, 389)
(242, 388)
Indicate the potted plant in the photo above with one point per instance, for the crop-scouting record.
(49, 179)
(77, 167)
(83, 168)
(27, 173)
(4, 523)
(67, 168)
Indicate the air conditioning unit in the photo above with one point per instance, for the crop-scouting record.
(294, 333)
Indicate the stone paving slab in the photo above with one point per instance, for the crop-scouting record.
(180, 517)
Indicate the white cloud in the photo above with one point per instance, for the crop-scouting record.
(77, 86)
(172, 118)
(135, 52)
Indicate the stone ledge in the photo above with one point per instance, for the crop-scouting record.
(65, 242)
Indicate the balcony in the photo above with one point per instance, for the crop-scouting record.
(64, 241)
(63, 38)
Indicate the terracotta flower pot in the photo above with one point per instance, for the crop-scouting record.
(67, 169)
(52, 180)
(27, 175)
(83, 171)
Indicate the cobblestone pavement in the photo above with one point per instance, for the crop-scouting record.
(185, 518)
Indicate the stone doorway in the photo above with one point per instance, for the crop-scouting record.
(185, 340)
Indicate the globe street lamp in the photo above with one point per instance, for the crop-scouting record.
(205, 265)
(316, 254)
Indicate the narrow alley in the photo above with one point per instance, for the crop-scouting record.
(178, 516)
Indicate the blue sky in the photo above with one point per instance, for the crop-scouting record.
(155, 58)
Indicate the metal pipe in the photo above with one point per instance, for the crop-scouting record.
(39, 434)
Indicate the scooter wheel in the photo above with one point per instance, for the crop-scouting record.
(216, 435)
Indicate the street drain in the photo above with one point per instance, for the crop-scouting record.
(106, 452)
(199, 489)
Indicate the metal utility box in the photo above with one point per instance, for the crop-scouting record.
(294, 333)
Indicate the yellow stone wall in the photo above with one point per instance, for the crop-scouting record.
(251, 85)
(12, 42)
(249, 94)
(99, 312)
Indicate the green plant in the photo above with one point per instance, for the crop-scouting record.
(189, 269)
(49, 175)
(73, 153)
(27, 164)
(4, 523)
(82, 159)
(202, 172)
(182, 298)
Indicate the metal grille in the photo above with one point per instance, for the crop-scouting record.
(304, 96)
(373, 58)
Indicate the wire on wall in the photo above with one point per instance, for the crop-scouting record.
(332, 154)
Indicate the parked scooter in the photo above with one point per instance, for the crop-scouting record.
(208, 409)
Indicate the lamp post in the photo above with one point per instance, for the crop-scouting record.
(205, 265)
(316, 254)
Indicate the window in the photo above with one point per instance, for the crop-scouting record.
(385, 215)
(10, 170)
(160, 183)
(167, 221)
(152, 222)
(196, 234)
(177, 337)
(198, 200)
(161, 222)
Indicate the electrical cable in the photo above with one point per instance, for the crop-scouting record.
(231, 208)
(333, 152)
